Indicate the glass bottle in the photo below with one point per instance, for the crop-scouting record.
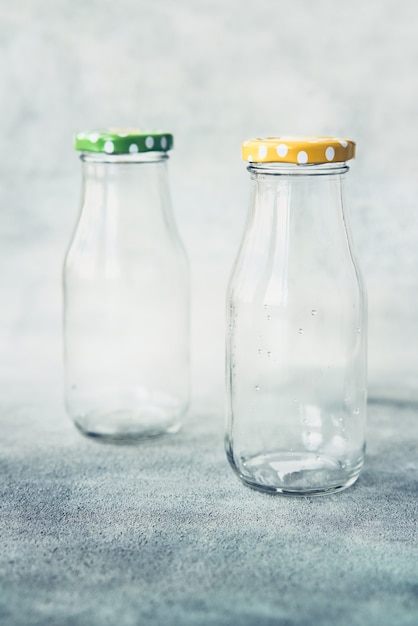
(296, 320)
(126, 292)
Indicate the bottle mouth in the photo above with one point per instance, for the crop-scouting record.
(297, 169)
(137, 157)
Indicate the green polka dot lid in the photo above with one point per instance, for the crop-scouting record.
(123, 141)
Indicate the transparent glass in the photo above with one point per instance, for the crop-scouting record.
(126, 302)
(296, 337)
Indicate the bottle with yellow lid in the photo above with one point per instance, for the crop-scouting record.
(296, 324)
(126, 292)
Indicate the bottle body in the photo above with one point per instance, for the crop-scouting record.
(126, 303)
(296, 337)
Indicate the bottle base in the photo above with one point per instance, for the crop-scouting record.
(126, 415)
(123, 426)
(295, 474)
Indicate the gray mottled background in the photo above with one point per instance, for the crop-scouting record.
(167, 530)
(214, 73)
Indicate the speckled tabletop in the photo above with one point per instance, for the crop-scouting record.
(163, 533)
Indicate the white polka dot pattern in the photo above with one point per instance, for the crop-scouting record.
(298, 150)
(330, 153)
(262, 152)
(109, 147)
(123, 141)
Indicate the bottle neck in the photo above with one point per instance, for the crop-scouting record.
(294, 170)
(121, 174)
(296, 223)
(129, 188)
(100, 158)
(309, 192)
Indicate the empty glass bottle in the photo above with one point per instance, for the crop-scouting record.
(126, 292)
(296, 320)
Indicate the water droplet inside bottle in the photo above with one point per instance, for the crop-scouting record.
(317, 458)
(300, 331)
(313, 312)
(266, 306)
(257, 388)
(260, 352)
(359, 330)
(268, 353)
(356, 411)
(269, 317)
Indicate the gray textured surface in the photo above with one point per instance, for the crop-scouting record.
(163, 533)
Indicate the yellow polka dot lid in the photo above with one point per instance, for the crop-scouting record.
(123, 141)
(300, 150)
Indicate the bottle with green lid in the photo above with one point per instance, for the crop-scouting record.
(126, 292)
